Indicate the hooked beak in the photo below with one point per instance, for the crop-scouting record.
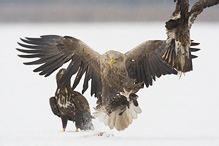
(62, 72)
(112, 62)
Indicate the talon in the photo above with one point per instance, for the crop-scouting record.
(95, 113)
(181, 73)
(130, 92)
(76, 130)
(102, 108)
(126, 93)
(99, 110)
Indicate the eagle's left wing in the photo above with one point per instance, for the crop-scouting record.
(144, 63)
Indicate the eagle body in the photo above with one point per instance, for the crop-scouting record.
(71, 105)
(178, 28)
(115, 77)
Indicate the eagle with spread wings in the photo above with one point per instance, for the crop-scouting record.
(115, 77)
(178, 28)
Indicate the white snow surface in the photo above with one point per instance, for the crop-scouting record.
(174, 111)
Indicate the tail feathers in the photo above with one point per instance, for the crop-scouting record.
(117, 120)
(188, 63)
(179, 58)
(194, 49)
(194, 56)
(194, 43)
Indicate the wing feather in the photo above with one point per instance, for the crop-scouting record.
(198, 7)
(148, 80)
(144, 63)
(52, 51)
(86, 79)
(79, 75)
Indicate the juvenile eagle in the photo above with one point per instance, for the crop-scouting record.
(70, 105)
(178, 28)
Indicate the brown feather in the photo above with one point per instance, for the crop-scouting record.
(53, 51)
(146, 53)
(71, 105)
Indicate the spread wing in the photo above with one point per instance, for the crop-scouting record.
(199, 6)
(144, 63)
(178, 28)
(53, 51)
(181, 15)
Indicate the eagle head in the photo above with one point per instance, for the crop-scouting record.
(114, 59)
(60, 74)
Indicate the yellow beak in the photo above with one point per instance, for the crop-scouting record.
(112, 62)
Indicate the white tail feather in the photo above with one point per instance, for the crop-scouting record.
(111, 121)
(118, 120)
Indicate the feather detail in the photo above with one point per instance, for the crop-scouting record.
(116, 119)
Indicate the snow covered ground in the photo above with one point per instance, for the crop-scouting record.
(175, 111)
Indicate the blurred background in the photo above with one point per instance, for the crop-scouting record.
(175, 111)
(25, 11)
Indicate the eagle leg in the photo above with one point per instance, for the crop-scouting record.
(97, 110)
(64, 122)
(126, 93)
(76, 130)
(181, 73)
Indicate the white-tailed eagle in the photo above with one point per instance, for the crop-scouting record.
(115, 77)
(70, 105)
(178, 28)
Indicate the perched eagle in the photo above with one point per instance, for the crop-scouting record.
(70, 105)
(178, 28)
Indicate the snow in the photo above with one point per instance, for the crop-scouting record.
(175, 111)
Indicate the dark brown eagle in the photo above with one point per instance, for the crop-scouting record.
(178, 28)
(70, 105)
